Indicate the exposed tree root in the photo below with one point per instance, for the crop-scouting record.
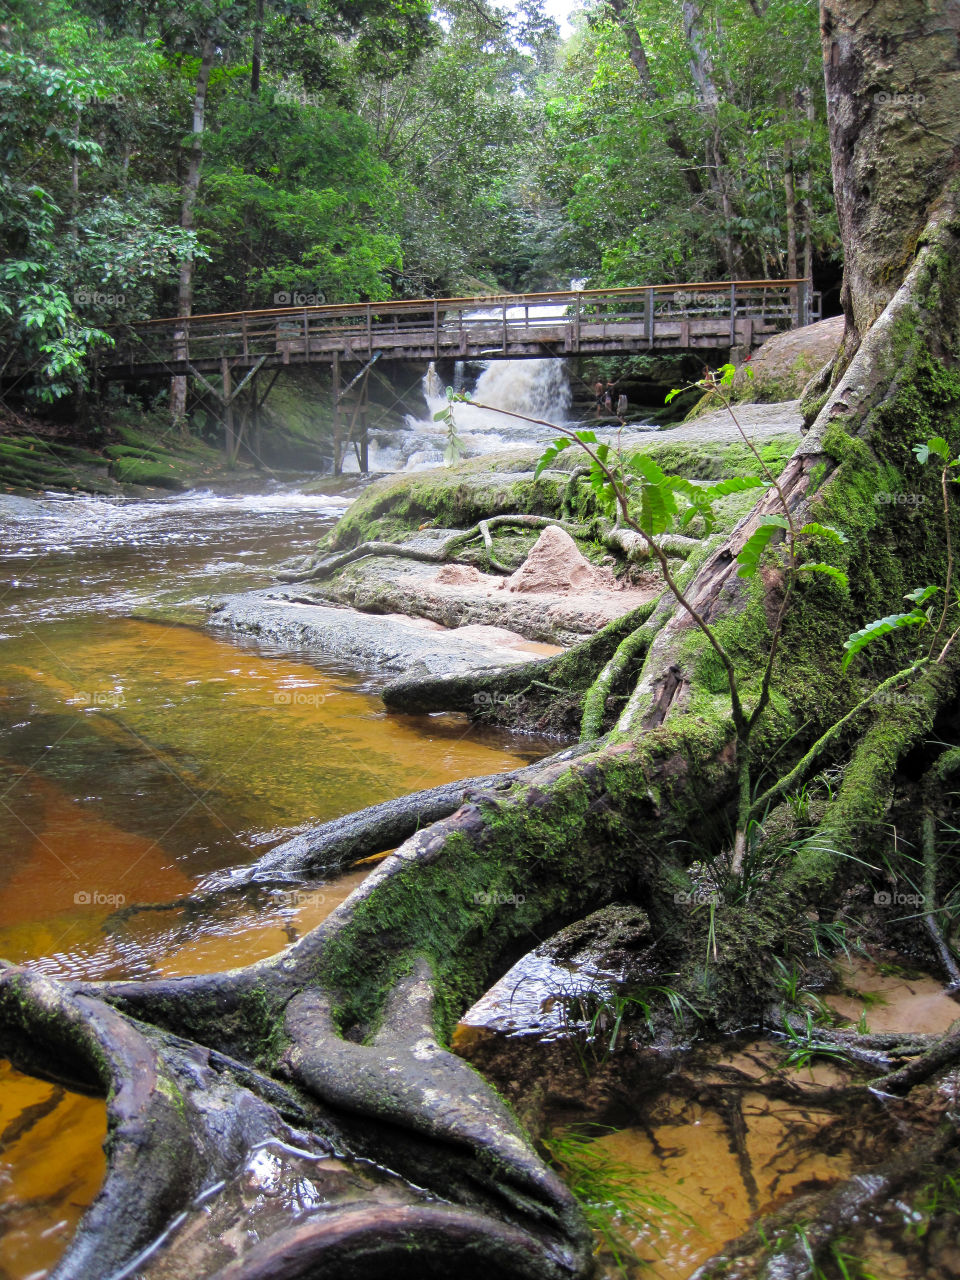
(336, 844)
(826, 1218)
(444, 552)
(529, 689)
(629, 652)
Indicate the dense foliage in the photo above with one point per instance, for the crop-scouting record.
(213, 154)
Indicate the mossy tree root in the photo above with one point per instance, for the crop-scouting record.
(336, 844)
(630, 651)
(177, 1122)
(444, 552)
(525, 689)
(946, 766)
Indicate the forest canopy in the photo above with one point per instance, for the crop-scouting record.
(160, 159)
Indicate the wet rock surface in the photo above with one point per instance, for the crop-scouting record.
(556, 597)
(387, 643)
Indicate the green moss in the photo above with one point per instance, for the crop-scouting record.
(146, 472)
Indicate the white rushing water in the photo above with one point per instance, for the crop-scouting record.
(534, 388)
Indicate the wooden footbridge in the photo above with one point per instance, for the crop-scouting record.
(697, 317)
(710, 318)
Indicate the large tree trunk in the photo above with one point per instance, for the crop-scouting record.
(893, 97)
(338, 1042)
(672, 134)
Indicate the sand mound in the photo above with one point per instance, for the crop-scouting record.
(555, 565)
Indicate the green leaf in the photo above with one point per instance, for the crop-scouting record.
(647, 468)
(882, 627)
(441, 416)
(815, 530)
(736, 484)
(756, 544)
(828, 569)
(544, 461)
(921, 595)
(672, 395)
(586, 437)
(937, 445)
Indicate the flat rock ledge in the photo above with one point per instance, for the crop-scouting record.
(381, 643)
(556, 596)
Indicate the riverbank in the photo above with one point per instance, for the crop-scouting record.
(416, 611)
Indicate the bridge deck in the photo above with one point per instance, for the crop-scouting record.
(677, 317)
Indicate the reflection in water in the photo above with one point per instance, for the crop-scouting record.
(136, 758)
(51, 1167)
(139, 757)
(280, 1184)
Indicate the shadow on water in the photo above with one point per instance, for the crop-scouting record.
(137, 757)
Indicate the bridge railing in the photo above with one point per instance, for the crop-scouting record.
(448, 326)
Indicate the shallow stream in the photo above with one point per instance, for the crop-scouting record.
(138, 758)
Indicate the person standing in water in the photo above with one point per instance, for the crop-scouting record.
(598, 393)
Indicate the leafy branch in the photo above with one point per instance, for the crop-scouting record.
(638, 494)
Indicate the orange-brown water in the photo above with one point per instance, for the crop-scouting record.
(720, 1167)
(137, 758)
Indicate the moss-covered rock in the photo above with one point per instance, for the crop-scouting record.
(457, 497)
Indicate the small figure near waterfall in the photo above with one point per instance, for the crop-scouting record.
(621, 406)
(598, 392)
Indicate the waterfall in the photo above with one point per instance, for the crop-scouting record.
(535, 388)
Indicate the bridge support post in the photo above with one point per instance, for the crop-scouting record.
(229, 441)
(649, 317)
(803, 304)
(364, 458)
(733, 314)
(337, 443)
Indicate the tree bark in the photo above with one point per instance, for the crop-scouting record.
(191, 185)
(893, 105)
(638, 56)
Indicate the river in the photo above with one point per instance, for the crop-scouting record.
(138, 758)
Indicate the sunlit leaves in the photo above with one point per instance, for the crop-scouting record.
(749, 556)
(882, 627)
(935, 445)
(829, 570)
